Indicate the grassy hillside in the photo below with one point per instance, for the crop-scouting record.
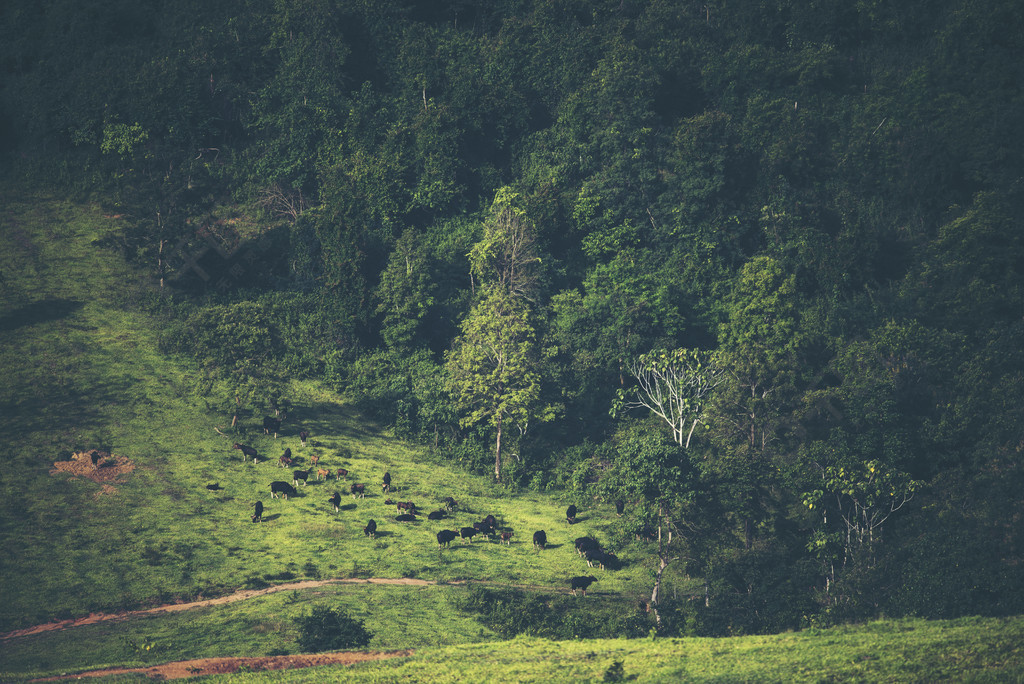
(967, 649)
(82, 371)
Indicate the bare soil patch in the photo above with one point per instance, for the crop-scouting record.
(101, 467)
(208, 666)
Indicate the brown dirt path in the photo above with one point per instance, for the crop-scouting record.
(208, 666)
(176, 607)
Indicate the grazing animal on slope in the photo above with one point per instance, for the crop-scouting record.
(342, 474)
(445, 537)
(371, 529)
(581, 583)
(467, 533)
(540, 539)
(335, 501)
(314, 459)
(299, 475)
(584, 544)
(620, 506)
(387, 483)
(435, 515)
(213, 487)
(570, 514)
(358, 490)
(303, 436)
(271, 425)
(323, 473)
(405, 517)
(507, 538)
(286, 459)
(449, 503)
(282, 488)
(257, 514)
(246, 451)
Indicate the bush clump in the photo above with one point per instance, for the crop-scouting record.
(330, 630)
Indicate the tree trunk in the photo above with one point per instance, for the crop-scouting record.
(497, 454)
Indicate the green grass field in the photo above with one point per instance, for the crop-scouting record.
(81, 369)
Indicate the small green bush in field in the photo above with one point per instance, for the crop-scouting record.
(330, 630)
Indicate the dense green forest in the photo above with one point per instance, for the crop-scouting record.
(753, 268)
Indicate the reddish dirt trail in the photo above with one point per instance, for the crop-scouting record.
(176, 607)
(208, 666)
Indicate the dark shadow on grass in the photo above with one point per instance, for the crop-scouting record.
(347, 507)
(268, 518)
(39, 312)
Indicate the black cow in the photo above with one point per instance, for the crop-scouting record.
(595, 556)
(570, 514)
(584, 544)
(540, 539)
(257, 515)
(581, 583)
(303, 436)
(271, 425)
(620, 506)
(449, 503)
(286, 459)
(357, 490)
(282, 488)
(445, 537)
(335, 501)
(246, 451)
(299, 475)
(435, 515)
(371, 529)
(387, 483)
(94, 457)
(483, 528)
(467, 533)
(405, 517)
(491, 521)
(213, 487)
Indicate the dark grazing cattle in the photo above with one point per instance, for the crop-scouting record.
(584, 544)
(445, 537)
(581, 583)
(213, 487)
(570, 514)
(406, 506)
(94, 457)
(282, 488)
(342, 474)
(335, 501)
(357, 490)
(246, 451)
(620, 506)
(467, 533)
(540, 539)
(436, 515)
(389, 502)
(286, 459)
(303, 436)
(405, 517)
(387, 483)
(507, 537)
(491, 521)
(271, 425)
(299, 475)
(371, 529)
(257, 514)
(594, 556)
(483, 528)
(449, 503)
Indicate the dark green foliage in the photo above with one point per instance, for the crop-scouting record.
(510, 612)
(326, 629)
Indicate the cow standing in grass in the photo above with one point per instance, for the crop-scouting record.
(257, 515)
(581, 583)
(540, 539)
(371, 529)
(271, 425)
(246, 451)
(445, 537)
(335, 501)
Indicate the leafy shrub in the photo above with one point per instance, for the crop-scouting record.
(329, 630)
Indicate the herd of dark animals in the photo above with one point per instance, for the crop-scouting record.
(586, 547)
